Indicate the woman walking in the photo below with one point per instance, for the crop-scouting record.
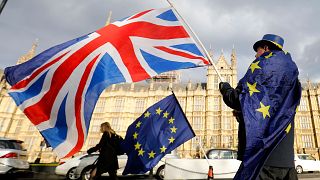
(107, 160)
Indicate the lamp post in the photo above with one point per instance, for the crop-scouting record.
(42, 144)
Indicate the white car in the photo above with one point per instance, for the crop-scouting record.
(13, 158)
(306, 162)
(224, 163)
(85, 166)
(68, 167)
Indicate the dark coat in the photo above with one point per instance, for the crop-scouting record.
(107, 159)
(231, 98)
(281, 156)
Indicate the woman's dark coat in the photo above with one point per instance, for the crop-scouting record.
(108, 157)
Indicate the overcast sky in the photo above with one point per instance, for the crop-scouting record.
(219, 23)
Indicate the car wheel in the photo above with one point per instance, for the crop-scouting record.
(86, 173)
(299, 169)
(160, 172)
(71, 174)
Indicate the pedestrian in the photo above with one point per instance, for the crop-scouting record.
(264, 104)
(107, 160)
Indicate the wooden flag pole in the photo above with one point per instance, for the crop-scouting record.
(198, 40)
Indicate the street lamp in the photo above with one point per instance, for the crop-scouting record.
(42, 145)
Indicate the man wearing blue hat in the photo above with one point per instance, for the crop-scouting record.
(264, 102)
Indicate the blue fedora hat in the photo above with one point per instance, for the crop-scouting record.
(271, 40)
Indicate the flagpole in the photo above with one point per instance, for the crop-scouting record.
(183, 113)
(205, 155)
(198, 40)
(192, 129)
(3, 3)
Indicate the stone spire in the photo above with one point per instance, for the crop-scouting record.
(170, 84)
(30, 54)
(189, 86)
(222, 63)
(151, 85)
(309, 84)
(233, 59)
(211, 51)
(109, 18)
(132, 86)
(113, 87)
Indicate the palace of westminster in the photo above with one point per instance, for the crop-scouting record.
(210, 118)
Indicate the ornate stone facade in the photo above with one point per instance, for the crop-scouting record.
(202, 103)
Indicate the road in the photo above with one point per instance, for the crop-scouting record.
(309, 176)
(46, 176)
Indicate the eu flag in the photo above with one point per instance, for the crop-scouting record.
(158, 131)
(269, 99)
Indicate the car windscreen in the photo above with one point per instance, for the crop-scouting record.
(306, 157)
(89, 155)
(213, 154)
(5, 144)
(226, 154)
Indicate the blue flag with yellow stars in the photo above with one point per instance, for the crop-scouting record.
(269, 99)
(158, 131)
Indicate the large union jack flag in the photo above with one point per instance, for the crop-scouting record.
(58, 89)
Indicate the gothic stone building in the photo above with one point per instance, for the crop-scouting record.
(202, 103)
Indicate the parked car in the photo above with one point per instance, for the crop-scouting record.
(224, 163)
(68, 167)
(221, 154)
(306, 162)
(86, 165)
(13, 158)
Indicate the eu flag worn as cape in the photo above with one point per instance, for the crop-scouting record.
(158, 131)
(58, 89)
(269, 99)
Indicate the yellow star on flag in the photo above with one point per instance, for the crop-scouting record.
(254, 66)
(252, 88)
(158, 111)
(173, 129)
(135, 135)
(171, 140)
(147, 114)
(288, 128)
(163, 149)
(171, 120)
(138, 124)
(165, 115)
(137, 146)
(269, 55)
(264, 110)
(151, 154)
(141, 151)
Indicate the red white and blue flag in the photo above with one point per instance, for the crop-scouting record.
(58, 89)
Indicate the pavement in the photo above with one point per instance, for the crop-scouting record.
(47, 176)
(309, 176)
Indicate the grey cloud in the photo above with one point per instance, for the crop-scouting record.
(310, 61)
